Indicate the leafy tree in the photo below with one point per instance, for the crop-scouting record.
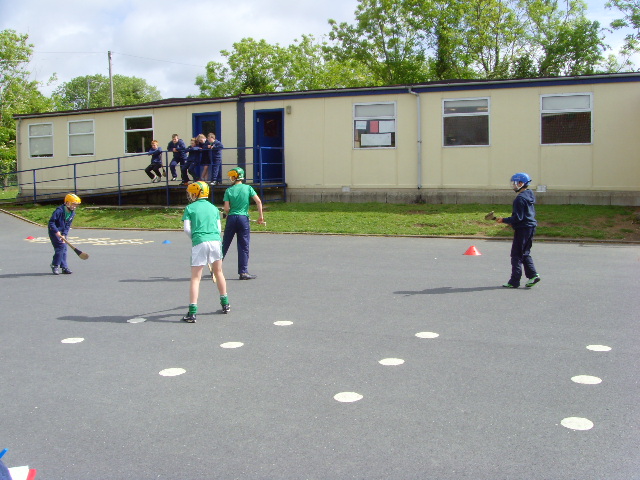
(630, 20)
(94, 91)
(17, 94)
(384, 40)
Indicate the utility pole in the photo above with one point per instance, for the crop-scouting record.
(110, 77)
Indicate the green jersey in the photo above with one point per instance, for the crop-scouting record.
(205, 221)
(239, 197)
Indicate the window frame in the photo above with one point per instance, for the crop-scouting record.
(383, 118)
(50, 136)
(567, 110)
(486, 114)
(152, 129)
(71, 135)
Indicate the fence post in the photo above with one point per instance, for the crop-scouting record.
(75, 178)
(119, 185)
(260, 170)
(35, 195)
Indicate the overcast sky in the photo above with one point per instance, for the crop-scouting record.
(168, 43)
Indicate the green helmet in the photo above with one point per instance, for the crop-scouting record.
(236, 174)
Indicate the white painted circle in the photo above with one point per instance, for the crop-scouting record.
(577, 423)
(347, 397)
(172, 372)
(391, 361)
(232, 345)
(598, 348)
(427, 335)
(283, 323)
(136, 320)
(73, 340)
(586, 379)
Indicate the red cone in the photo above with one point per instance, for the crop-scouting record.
(472, 251)
(30, 237)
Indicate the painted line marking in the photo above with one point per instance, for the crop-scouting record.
(283, 323)
(427, 335)
(347, 397)
(232, 345)
(577, 423)
(172, 372)
(391, 361)
(136, 320)
(598, 348)
(72, 340)
(586, 380)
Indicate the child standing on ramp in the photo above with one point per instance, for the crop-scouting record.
(201, 222)
(523, 221)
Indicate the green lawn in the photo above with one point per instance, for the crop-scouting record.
(555, 221)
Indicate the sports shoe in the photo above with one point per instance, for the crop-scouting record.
(508, 285)
(247, 276)
(532, 281)
(66, 271)
(189, 318)
(55, 269)
(226, 308)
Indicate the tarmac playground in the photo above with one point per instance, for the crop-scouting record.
(347, 358)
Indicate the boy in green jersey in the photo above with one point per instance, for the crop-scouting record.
(237, 199)
(202, 224)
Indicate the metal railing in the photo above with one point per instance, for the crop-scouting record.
(53, 182)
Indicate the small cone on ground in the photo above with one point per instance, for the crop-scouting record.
(472, 250)
(30, 237)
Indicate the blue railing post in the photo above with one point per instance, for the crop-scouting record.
(119, 184)
(260, 171)
(35, 195)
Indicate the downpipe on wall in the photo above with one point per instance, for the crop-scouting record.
(419, 111)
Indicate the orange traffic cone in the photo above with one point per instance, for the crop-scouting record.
(472, 251)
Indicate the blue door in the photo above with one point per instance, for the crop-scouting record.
(207, 123)
(269, 134)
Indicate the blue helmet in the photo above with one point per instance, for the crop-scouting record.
(521, 177)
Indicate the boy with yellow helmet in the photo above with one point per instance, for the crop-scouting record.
(201, 222)
(59, 226)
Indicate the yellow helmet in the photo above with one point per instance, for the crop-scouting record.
(236, 174)
(72, 198)
(197, 190)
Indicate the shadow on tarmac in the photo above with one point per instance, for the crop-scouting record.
(442, 290)
(149, 317)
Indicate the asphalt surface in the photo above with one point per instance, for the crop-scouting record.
(485, 395)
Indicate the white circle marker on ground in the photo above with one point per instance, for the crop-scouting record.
(136, 320)
(172, 372)
(598, 348)
(427, 335)
(347, 397)
(577, 423)
(283, 323)
(586, 379)
(72, 340)
(232, 345)
(391, 361)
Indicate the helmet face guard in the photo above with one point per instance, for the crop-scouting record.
(519, 178)
(197, 190)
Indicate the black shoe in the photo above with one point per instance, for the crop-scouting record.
(66, 271)
(226, 308)
(55, 269)
(189, 318)
(247, 276)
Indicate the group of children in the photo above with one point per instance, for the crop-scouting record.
(201, 223)
(202, 160)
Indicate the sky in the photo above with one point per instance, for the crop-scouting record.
(169, 43)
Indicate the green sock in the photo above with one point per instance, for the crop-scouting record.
(224, 300)
(193, 308)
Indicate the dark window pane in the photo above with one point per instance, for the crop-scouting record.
(473, 130)
(138, 123)
(138, 142)
(566, 128)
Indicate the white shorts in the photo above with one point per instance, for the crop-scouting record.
(205, 252)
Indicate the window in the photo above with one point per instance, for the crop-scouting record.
(138, 133)
(41, 140)
(565, 118)
(465, 122)
(81, 138)
(374, 125)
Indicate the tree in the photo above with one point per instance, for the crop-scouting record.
(17, 94)
(259, 67)
(631, 20)
(94, 91)
(384, 40)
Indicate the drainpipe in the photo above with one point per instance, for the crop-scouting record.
(419, 137)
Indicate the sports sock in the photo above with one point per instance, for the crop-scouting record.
(224, 300)
(193, 308)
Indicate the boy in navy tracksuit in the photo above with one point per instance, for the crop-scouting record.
(156, 162)
(179, 149)
(59, 226)
(215, 159)
(523, 221)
